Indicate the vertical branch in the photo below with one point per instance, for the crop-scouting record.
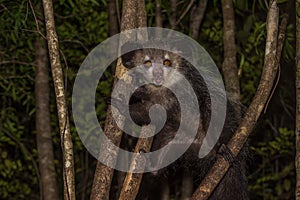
(57, 74)
(173, 13)
(132, 181)
(238, 140)
(196, 17)
(49, 188)
(141, 14)
(229, 66)
(103, 174)
(113, 23)
(158, 19)
(129, 16)
(297, 159)
(112, 17)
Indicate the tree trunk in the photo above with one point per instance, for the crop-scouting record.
(158, 19)
(103, 174)
(229, 66)
(196, 17)
(112, 18)
(63, 118)
(49, 188)
(113, 24)
(173, 13)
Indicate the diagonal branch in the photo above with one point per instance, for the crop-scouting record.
(238, 140)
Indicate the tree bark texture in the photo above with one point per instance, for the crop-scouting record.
(57, 74)
(173, 13)
(297, 159)
(158, 19)
(113, 23)
(113, 18)
(238, 140)
(196, 17)
(132, 181)
(141, 14)
(49, 188)
(103, 175)
(229, 66)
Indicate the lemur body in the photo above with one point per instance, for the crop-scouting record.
(157, 68)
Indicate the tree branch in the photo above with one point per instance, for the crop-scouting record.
(184, 12)
(132, 181)
(197, 14)
(158, 19)
(238, 140)
(49, 189)
(103, 176)
(63, 118)
(229, 66)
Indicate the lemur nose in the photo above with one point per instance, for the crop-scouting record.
(158, 74)
(157, 71)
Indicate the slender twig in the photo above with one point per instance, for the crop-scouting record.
(184, 12)
(77, 42)
(281, 37)
(36, 21)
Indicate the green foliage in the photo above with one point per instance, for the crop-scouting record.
(83, 24)
(274, 176)
(211, 34)
(18, 177)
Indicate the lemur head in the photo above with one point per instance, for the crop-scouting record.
(155, 66)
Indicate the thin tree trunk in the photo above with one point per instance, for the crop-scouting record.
(238, 140)
(158, 19)
(141, 14)
(112, 18)
(113, 24)
(229, 66)
(103, 174)
(196, 17)
(132, 181)
(173, 13)
(49, 188)
(63, 118)
(297, 158)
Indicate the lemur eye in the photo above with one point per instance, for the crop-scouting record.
(148, 63)
(167, 62)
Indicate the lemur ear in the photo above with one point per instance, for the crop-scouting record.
(128, 51)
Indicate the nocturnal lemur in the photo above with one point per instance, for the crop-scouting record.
(158, 69)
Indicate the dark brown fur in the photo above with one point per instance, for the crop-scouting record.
(234, 184)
